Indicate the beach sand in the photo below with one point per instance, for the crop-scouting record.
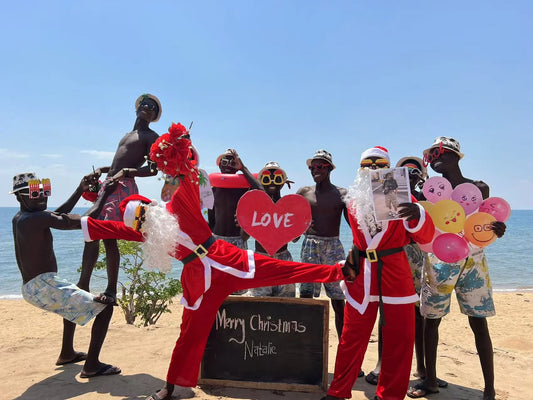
(30, 342)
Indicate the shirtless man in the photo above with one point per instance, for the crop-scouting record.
(321, 244)
(132, 153)
(37, 264)
(221, 217)
(469, 278)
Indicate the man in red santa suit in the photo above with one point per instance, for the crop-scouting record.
(213, 269)
(384, 282)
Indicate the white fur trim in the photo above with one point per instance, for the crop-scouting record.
(129, 213)
(375, 152)
(234, 271)
(85, 229)
(194, 306)
(421, 221)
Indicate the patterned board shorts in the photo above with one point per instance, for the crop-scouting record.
(111, 211)
(417, 259)
(52, 293)
(279, 290)
(471, 281)
(241, 244)
(322, 250)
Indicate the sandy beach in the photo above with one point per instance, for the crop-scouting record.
(31, 340)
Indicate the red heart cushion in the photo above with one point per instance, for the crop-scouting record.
(273, 224)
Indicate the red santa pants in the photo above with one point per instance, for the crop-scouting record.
(398, 340)
(196, 324)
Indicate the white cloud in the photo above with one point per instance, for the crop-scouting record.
(11, 155)
(53, 156)
(101, 155)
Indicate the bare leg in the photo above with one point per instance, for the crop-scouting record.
(98, 334)
(68, 354)
(113, 262)
(90, 256)
(338, 308)
(486, 355)
(165, 393)
(431, 341)
(419, 343)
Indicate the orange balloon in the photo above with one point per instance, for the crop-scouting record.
(448, 216)
(478, 229)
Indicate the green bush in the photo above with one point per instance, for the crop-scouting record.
(146, 294)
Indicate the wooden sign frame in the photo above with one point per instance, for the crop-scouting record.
(317, 306)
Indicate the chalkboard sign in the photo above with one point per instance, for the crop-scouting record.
(268, 343)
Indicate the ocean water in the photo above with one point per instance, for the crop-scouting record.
(510, 257)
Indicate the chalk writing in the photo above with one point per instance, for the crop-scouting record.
(224, 322)
(259, 350)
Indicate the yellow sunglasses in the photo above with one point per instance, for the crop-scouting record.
(379, 163)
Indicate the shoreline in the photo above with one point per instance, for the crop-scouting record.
(322, 295)
(31, 341)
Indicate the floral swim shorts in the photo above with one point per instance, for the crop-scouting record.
(322, 250)
(470, 280)
(52, 293)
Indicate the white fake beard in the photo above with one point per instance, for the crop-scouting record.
(161, 232)
(359, 202)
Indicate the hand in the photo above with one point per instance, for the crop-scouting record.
(110, 185)
(350, 270)
(409, 211)
(89, 181)
(499, 228)
(237, 160)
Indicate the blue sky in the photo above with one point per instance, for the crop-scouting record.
(275, 80)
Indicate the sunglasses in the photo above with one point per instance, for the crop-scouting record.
(433, 154)
(267, 179)
(415, 172)
(34, 191)
(227, 162)
(379, 163)
(319, 167)
(140, 216)
(148, 104)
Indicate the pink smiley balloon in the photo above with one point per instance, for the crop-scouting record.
(437, 188)
(468, 196)
(497, 207)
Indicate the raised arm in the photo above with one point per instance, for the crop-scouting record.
(239, 165)
(86, 182)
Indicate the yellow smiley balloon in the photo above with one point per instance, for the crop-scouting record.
(478, 229)
(448, 216)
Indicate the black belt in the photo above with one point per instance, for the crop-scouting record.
(376, 256)
(200, 251)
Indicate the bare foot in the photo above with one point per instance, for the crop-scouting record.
(107, 298)
(76, 357)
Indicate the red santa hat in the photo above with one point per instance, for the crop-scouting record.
(128, 208)
(376, 151)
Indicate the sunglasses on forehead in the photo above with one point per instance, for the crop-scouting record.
(379, 163)
(34, 191)
(277, 179)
